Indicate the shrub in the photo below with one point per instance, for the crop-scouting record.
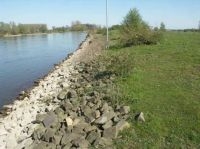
(135, 31)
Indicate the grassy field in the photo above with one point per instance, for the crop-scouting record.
(163, 81)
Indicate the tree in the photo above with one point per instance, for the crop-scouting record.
(162, 26)
(135, 30)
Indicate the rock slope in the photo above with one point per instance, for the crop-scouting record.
(69, 108)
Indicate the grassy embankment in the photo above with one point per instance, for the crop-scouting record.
(163, 81)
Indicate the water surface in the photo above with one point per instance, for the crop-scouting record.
(27, 58)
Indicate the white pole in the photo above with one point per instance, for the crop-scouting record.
(107, 38)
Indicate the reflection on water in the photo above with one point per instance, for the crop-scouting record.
(26, 58)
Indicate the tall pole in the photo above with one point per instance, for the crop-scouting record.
(107, 36)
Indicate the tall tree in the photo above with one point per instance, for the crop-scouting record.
(162, 26)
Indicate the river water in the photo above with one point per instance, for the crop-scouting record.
(27, 58)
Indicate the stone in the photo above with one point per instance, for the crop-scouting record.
(80, 143)
(49, 134)
(67, 106)
(60, 114)
(76, 121)
(67, 138)
(140, 117)
(105, 107)
(44, 145)
(110, 133)
(97, 114)
(40, 117)
(90, 128)
(67, 146)
(92, 136)
(107, 125)
(38, 133)
(121, 125)
(103, 143)
(71, 94)
(125, 110)
(62, 95)
(50, 119)
(105, 117)
(78, 130)
(89, 113)
(116, 119)
(56, 139)
(69, 121)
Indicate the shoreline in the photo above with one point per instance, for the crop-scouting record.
(70, 107)
(23, 110)
(19, 35)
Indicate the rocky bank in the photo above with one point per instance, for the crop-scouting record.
(70, 108)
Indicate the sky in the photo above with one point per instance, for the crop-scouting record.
(176, 14)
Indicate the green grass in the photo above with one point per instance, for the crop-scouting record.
(163, 81)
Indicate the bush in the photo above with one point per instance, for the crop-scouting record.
(135, 31)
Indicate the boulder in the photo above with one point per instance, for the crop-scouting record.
(50, 119)
(67, 138)
(124, 110)
(80, 143)
(121, 125)
(49, 134)
(110, 133)
(92, 136)
(69, 121)
(105, 117)
(103, 143)
(107, 125)
(140, 117)
(62, 95)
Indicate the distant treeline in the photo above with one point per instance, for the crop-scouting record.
(15, 29)
(75, 26)
(186, 30)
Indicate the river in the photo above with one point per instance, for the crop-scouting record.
(24, 59)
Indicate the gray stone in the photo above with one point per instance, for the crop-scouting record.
(125, 109)
(48, 136)
(89, 113)
(110, 133)
(67, 146)
(58, 147)
(140, 117)
(38, 133)
(67, 138)
(67, 106)
(60, 114)
(78, 130)
(92, 136)
(50, 119)
(81, 143)
(116, 119)
(62, 95)
(44, 145)
(40, 117)
(103, 142)
(56, 139)
(105, 107)
(121, 125)
(107, 125)
(105, 117)
(90, 128)
(71, 94)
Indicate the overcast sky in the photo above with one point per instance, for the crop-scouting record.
(176, 14)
